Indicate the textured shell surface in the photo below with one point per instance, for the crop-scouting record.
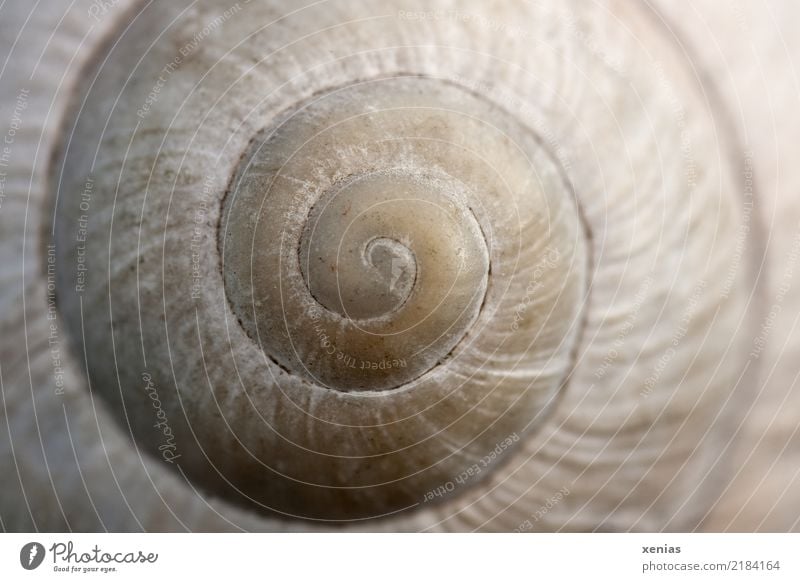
(398, 266)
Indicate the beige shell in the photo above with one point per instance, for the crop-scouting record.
(378, 265)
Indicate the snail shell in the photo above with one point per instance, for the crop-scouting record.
(362, 261)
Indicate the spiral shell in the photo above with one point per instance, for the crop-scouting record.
(363, 262)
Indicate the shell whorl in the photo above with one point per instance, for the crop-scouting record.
(360, 244)
(353, 260)
(360, 396)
